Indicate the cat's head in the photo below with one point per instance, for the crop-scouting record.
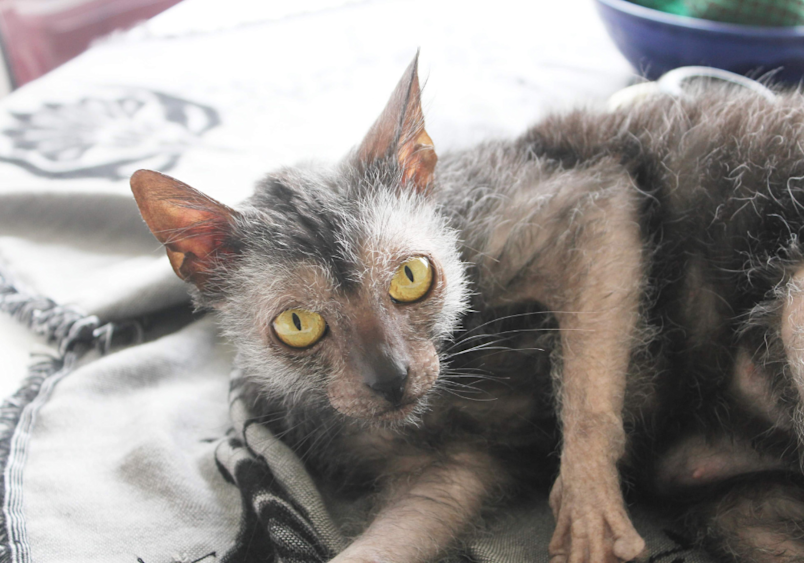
(338, 286)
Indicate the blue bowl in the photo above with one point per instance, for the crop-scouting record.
(655, 42)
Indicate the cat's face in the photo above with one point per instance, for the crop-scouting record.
(354, 306)
(337, 286)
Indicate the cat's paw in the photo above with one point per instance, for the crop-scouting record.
(592, 525)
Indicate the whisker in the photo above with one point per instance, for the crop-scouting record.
(461, 340)
(500, 348)
(453, 393)
(455, 384)
(497, 319)
(485, 376)
(541, 312)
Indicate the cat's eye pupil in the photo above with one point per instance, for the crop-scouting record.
(299, 328)
(411, 281)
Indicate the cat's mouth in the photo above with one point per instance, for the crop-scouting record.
(398, 412)
(372, 411)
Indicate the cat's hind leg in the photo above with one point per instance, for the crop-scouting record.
(759, 519)
(698, 461)
(769, 379)
(791, 333)
(740, 504)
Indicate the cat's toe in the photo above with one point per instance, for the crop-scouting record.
(629, 547)
(596, 531)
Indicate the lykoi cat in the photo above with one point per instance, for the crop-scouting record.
(368, 300)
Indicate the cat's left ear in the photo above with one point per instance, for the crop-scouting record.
(399, 133)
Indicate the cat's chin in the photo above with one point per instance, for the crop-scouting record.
(386, 415)
(397, 414)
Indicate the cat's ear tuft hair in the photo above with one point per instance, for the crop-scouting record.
(399, 132)
(195, 229)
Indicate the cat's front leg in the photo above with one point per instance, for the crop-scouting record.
(594, 283)
(592, 523)
(425, 510)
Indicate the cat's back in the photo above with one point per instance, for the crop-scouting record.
(681, 148)
(694, 161)
(709, 127)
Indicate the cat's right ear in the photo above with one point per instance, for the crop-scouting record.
(195, 229)
(399, 134)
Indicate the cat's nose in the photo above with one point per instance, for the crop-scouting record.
(385, 372)
(389, 383)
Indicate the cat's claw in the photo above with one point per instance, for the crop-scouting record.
(592, 525)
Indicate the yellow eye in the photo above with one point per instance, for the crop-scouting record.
(299, 328)
(412, 280)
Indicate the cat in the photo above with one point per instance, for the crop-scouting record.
(580, 277)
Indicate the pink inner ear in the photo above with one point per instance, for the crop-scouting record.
(191, 230)
(193, 227)
(193, 238)
(418, 159)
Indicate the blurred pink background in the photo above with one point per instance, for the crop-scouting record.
(39, 35)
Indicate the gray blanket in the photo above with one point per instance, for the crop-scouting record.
(121, 442)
